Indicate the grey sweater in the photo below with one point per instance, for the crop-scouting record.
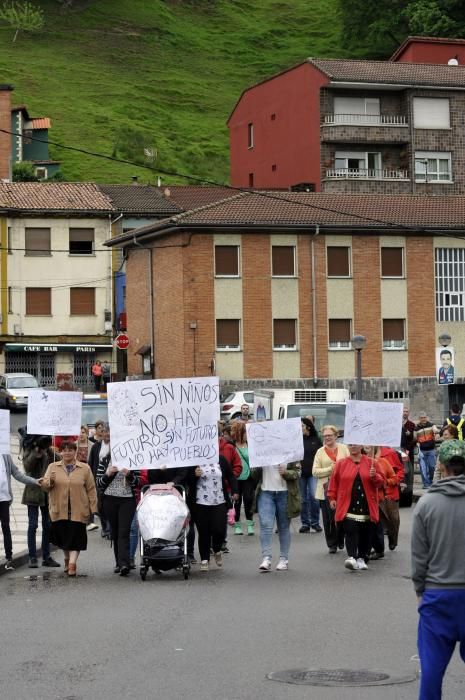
(438, 536)
(12, 470)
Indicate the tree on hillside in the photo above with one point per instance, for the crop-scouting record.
(22, 16)
(375, 29)
(436, 17)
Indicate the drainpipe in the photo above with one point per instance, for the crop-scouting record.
(152, 325)
(151, 293)
(314, 341)
(412, 143)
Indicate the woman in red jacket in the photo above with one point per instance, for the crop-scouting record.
(353, 494)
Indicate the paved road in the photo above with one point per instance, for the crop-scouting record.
(217, 635)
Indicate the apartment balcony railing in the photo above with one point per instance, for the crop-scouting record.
(365, 119)
(366, 174)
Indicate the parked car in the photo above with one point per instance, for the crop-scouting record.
(15, 388)
(231, 407)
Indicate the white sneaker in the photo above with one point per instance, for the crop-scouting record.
(282, 565)
(265, 565)
(204, 565)
(351, 564)
(218, 558)
(92, 526)
(361, 564)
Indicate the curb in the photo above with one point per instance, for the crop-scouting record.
(18, 560)
(21, 559)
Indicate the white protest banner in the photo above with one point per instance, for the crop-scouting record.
(275, 442)
(164, 422)
(5, 448)
(54, 412)
(373, 423)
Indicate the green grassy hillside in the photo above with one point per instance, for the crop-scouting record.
(169, 71)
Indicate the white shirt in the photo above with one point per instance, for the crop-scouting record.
(210, 486)
(4, 490)
(272, 480)
(104, 450)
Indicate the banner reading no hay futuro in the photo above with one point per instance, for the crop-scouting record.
(164, 422)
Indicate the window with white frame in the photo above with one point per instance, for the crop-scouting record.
(339, 333)
(433, 167)
(431, 113)
(449, 264)
(363, 164)
(250, 139)
(284, 334)
(356, 110)
(283, 260)
(394, 334)
(227, 261)
(228, 334)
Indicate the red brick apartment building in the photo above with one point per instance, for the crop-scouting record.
(265, 288)
(357, 126)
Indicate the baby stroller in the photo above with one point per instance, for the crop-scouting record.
(163, 518)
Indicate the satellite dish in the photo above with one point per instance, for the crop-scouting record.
(452, 62)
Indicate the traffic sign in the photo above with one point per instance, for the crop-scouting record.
(122, 341)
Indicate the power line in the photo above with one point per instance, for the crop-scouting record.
(267, 194)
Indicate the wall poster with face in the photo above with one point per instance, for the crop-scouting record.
(445, 361)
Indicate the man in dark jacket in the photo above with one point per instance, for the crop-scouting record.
(438, 569)
(35, 462)
(310, 509)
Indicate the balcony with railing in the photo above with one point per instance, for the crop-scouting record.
(366, 119)
(365, 174)
(376, 128)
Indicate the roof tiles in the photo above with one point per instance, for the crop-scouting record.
(274, 209)
(53, 196)
(346, 70)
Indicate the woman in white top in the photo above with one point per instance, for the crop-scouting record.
(212, 501)
(323, 466)
(277, 499)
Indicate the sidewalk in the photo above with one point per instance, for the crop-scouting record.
(18, 517)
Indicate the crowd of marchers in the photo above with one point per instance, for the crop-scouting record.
(355, 489)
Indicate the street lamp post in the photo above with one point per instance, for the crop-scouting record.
(358, 343)
(445, 340)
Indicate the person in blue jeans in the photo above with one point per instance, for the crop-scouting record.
(310, 508)
(425, 435)
(277, 498)
(35, 462)
(438, 572)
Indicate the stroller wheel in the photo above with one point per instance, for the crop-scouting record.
(143, 573)
(186, 571)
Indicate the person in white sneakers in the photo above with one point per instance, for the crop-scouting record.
(277, 498)
(353, 495)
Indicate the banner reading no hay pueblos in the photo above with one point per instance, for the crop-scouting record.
(164, 422)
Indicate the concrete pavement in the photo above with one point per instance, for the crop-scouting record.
(218, 634)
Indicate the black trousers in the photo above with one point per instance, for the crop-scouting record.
(358, 538)
(377, 537)
(334, 532)
(246, 490)
(210, 522)
(120, 512)
(5, 520)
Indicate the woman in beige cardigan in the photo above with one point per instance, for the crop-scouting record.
(323, 466)
(72, 500)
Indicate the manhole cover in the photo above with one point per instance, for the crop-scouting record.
(338, 677)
